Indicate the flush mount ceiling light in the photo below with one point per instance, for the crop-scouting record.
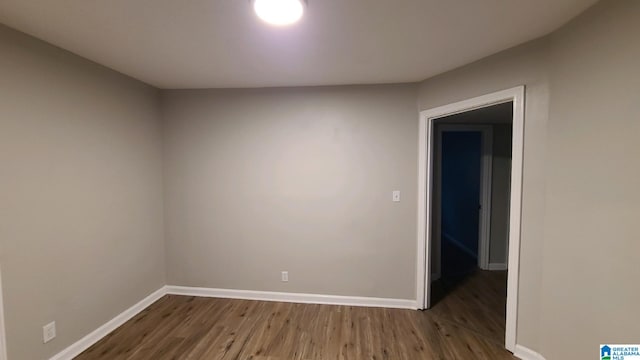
(279, 12)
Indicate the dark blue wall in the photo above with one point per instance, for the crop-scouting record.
(461, 164)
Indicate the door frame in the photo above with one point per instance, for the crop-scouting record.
(486, 171)
(425, 197)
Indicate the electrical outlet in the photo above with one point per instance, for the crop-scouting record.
(396, 195)
(285, 276)
(49, 332)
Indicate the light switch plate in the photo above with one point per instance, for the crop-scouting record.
(49, 332)
(396, 195)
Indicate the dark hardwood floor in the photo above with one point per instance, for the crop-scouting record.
(468, 323)
(477, 302)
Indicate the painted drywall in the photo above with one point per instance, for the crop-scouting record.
(590, 270)
(81, 230)
(266, 154)
(261, 181)
(578, 234)
(522, 65)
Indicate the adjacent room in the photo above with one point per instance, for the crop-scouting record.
(318, 180)
(470, 218)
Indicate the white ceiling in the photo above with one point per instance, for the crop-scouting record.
(220, 43)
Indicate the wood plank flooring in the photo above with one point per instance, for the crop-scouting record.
(477, 303)
(465, 324)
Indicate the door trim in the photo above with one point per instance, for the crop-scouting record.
(486, 169)
(425, 188)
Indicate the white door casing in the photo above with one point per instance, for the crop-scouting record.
(515, 95)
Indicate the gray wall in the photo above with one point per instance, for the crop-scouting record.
(590, 292)
(260, 181)
(523, 65)
(80, 193)
(579, 241)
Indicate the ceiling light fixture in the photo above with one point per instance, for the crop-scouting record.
(279, 12)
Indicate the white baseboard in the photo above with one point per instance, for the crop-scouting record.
(497, 266)
(460, 245)
(293, 297)
(83, 344)
(525, 353)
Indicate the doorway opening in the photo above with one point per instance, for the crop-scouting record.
(470, 175)
(462, 193)
(470, 209)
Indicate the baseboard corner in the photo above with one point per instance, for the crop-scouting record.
(86, 342)
(524, 353)
(497, 266)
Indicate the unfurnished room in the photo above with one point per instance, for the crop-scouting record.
(319, 179)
